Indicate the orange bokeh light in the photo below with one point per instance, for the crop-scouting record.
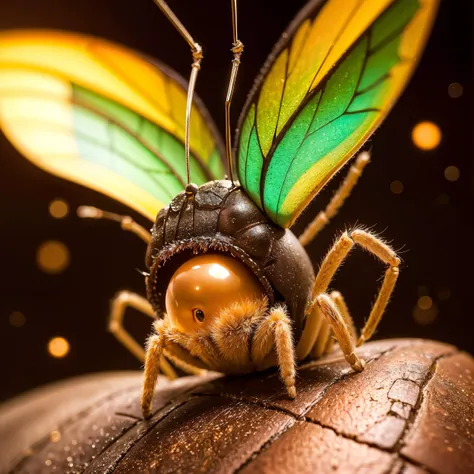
(426, 135)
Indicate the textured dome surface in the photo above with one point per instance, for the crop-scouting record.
(411, 411)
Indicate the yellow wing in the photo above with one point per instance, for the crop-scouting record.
(99, 114)
(331, 81)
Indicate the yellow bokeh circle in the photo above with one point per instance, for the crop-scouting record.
(52, 257)
(58, 208)
(58, 347)
(426, 135)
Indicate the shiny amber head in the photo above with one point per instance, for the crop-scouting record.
(203, 286)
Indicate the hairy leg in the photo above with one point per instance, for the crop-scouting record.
(200, 346)
(322, 340)
(120, 303)
(342, 332)
(325, 339)
(344, 310)
(182, 360)
(152, 366)
(233, 329)
(331, 263)
(275, 331)
(164, 341)
(388, 256)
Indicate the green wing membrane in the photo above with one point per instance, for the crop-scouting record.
(113, 136)
(100, 115)
(333, 115)
(336, 116)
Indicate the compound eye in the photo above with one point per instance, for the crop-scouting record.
(198, 315)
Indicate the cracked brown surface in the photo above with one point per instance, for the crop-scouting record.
(410, 412)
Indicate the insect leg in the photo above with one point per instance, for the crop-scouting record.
(237, 50)
(200, 346)
(120, 303)
(344, 310)
(179, 359)
(333, 260)
(342, 332)
(387, 255)
(275, 330)
(233, 328)
(322, 219)
(154, 354)
(322, 340)
(325, 339)
(126, 222)
(331, 263)
(196, 52)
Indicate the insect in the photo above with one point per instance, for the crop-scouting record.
(230, 286)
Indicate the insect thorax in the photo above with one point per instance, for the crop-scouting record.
(221, 218)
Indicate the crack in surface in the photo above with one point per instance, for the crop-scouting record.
(39, 445)
(396, 451)
(153, 422)
(410, 422)
(343, 377)
(286, 427)
(399, 461)
(127, 415)
(397, 456)
(399, 466)
(414, 412)
(391, 467)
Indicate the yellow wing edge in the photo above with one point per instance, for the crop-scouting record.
(413, 42)
(102, 66)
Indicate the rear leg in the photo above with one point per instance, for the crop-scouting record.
(336, 314)
(120, 303)
(341, 331)
(325, 339)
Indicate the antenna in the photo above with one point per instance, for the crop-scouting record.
(196, 51)
(237, 49)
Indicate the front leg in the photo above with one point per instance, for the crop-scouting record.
(163, 341)
(154, 353)
(275, 331)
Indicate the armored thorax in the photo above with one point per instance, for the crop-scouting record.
(219, 217)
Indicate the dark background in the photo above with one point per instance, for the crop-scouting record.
(433, 234)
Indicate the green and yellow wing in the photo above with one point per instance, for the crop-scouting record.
(96, 113)
(330, 82)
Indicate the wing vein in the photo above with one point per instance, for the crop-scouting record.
(298, 149)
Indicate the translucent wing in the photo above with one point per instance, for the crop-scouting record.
(98, 114)
(330, 82)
